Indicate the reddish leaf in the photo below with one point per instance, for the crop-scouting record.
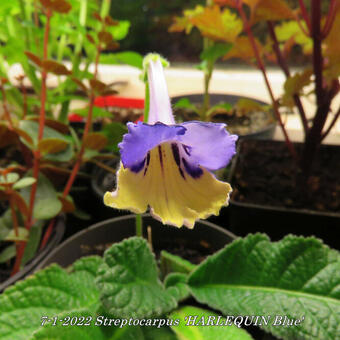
(95, 141)
(54, 124)
(67, 204)
(97, 86)
(90, 39)
(80, 84)
(55, 67)
(105, 37)
(52, 145)
(60, 6)
(97, 16)
(7, 136)
(110, 22)
(113, 45)
(34, 58)
(23, 134)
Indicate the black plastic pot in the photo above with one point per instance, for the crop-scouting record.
(277, 222)
(205, 236)
(267, 132)
(29, 268)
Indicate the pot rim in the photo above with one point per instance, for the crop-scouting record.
(121, 219)
(264, 129)
(55, 239)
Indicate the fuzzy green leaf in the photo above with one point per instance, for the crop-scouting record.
(71, 332)
(295, 277)
(176, 284)
(129, 284)
(187, 331)
(47, 293)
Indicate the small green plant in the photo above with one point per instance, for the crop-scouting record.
(42, 153)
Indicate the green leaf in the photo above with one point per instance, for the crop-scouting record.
(22, 235)
(82, 215)
(194, 325)
(8, 253)
(127, 57)
(215, 52)
(295, 277)
(114, 133)
(129, 284)
(176, 284)
(119, 31)
(153, 333)
(32, 128)
(185, 103)
(47, 204)
(291, 29)
(5, 224)
(11, 177)
(71, 332)
(88, 264)
(172, 263)
(47, 293)
(24, 182)
(33, 242)
(97, 113)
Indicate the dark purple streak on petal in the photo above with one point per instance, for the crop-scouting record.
(193, 171)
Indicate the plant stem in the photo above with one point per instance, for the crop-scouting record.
(207, 73)
(329, 19)
(282, 63)
(4, 105)
(260, 65)
(305, 15)
(335, 118)
(323, 98)
(146, 102)
(88, 125)
(36, 153)
(48, 233)
(139, 220)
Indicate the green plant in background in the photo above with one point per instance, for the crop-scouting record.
(216, 43)
(219, 29)
(42, 155)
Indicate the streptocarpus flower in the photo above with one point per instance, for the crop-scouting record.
(167, 166)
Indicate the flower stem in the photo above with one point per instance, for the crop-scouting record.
(139, 225)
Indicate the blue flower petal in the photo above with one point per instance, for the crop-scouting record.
(208, 144)
(141, 138)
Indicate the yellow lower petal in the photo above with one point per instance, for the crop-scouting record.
(173, 199)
